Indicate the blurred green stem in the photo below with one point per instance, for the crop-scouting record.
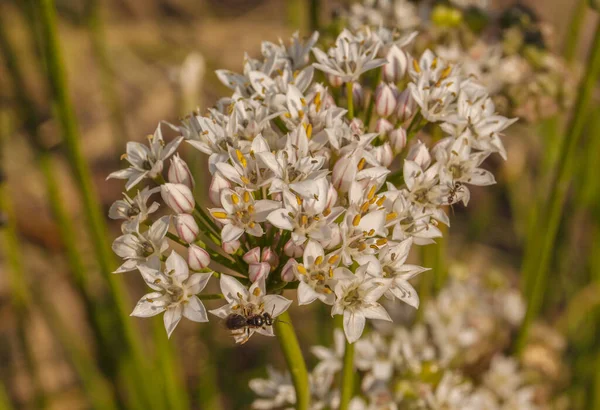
(295, 360)
(347, 377)
(107, 75)
(91, 205)
(548, 224)
(574, 31)
(314, 14)
(5, 403)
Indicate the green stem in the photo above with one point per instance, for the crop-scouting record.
(573, 34)
(314, 15)
(347, 377)
(294, 359)
(91, 205)
(559, 191)
(5, 403)
(350, 96)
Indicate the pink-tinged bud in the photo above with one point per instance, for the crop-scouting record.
(385, 100)
(217, 184)
(258, 270)
(395, 69)
(252, 256)
(292, 250)
(384, 154)
(332, 196)
(343, 173)
(198, 258)
(231, 247)
(397, 138)
(358, 95)
(406, 106)
(287, 273)
(334, 80)
(270, 257)
(179, 172)
(357, 126)
(178, 197)
(186, 227)
(383, 126)
(419, 154)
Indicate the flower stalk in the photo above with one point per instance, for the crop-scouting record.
(537, 273)
(347, 377)
(294, 359)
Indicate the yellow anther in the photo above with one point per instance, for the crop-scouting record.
(391, 216)
(319, 260)
(302, 101)
(362, 246)
(256, 291)
(446, 72)
(309, 131)
(241, 158)
(124, 156)
(372, 191)
(298, 200)
(317, 99)
(373, 247)
(301, 269)
(326, 212)
(304, 220)
(245, 180)
(381, 241)
(251, 209)
(252, 225)
(330, 272)
(219, 215)
(333, 259)
(356, 220)
(416, 66)
(434, 63)
(327, 290)
(361, 164)
(365, 207)
(235, 199)
(381, 200)
(300, 114)
(287, 115)
(371, 232)
(246, 196)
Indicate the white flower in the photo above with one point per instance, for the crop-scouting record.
(330, 359)
(275, 392)
(138, 247)
(134, 211)
(348, 58)
(241, 213)
(248, 303)
(356, 299)
(146, 162)
(317, 275)
(174, 293)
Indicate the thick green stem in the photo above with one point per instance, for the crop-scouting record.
(294, 359)
(350, 96)
(558, 194)
(314, 14)
(573, 34)
(347, 377)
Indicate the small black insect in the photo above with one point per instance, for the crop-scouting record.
(239, 324)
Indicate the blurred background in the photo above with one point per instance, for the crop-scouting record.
(66, 341)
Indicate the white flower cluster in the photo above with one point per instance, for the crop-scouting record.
(414, 368)
(506, 50)
(302, 184)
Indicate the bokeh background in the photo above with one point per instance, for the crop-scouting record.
(130, 64)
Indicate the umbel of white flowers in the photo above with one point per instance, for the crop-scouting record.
(304, 199)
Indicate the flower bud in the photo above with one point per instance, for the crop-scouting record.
(178, 197)
(287, 272)
(292, 250)
(198, 258)
(258, 270)
(395, 69)
(397, 138)
(406, 106)
(231, 247)
(334, 80)
(419, 154)
(358, 95)
(343, 173)
(270, 257)
(217, 184)
(252, 256)
(179, 172)
(332, 196)
(385, 100)
(186, 227)
(357, 126)
(384, 154)
(383, 126)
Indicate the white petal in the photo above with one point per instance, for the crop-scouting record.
(194, 310)
(275, 305)
(404, 291)
(232, 289)
(197, 282)
(171, 318)
(306, 294)
(354, 324)
(377, 312)
(231, 232)
(280, 219)
(176, 263)
(146, 308)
